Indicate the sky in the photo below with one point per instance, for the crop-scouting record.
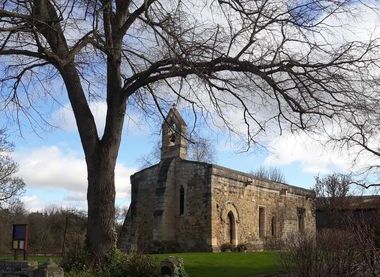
(51, 160)
(53, 167)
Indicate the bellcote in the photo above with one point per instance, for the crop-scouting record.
(174, 144)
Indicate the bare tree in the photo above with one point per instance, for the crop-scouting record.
(272, 174)
(271, 62)
(11, 187)
(201, 150)
(332, 191)
(359, 134)
(152, 158)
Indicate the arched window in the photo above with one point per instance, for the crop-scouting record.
(231, 228)
(181, 200)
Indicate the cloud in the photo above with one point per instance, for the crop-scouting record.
(64, 117)
(52, 167)
(34, 202)
(316, 154)
(359, 24)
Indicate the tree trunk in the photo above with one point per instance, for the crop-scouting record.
(101, 154)
(101, 207)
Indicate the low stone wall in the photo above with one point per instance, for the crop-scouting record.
(17, 268)
(29, 269)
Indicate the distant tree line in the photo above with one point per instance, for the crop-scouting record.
(50, 232)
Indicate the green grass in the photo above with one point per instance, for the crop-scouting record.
(227, 264)
(210, 264)
(39, 259)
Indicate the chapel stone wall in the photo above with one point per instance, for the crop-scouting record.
(194, 225)
(245, 196)
(181, 205)
(154, 222)
(137, 230)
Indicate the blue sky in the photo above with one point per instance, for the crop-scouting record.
(52, 163)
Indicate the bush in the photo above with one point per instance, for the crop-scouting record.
(140, 265)
(273, 244)
(333, 253)
(242, 247)
(116, 264)
(119, 264)
(226, 247)
(81, 273)
(75, 260)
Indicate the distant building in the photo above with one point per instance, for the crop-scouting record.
(182, 205)
(344, 212)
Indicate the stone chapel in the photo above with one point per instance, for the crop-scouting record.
(180, 205)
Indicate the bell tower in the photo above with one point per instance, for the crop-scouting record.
(174, 144)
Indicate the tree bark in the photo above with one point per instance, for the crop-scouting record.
(101, 155)
(101, 204)
(101, 185)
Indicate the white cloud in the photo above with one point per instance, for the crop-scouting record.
(35, 202)
(64, 117)
(360, 24)
(52, 167)
(316, 155)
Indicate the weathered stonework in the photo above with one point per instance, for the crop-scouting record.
(29, 269)
(181, 205)
(17, 268)
(243, 195)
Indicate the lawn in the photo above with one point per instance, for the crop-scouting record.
(40, 259)
(212, 264)
(227, 264)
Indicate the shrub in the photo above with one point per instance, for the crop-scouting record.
(333, 253)
(119, 264)
(81, 273)
(140, 265)
(116, 264)
(75, 260)
(299, 256)
(226, 247)
(273, 244)
(242, 247)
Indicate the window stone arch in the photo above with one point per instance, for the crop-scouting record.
(227, 207)
(230, 220)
